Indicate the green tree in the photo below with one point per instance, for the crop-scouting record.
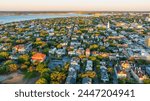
(13, 67)
(23, 66)
(93, 58)
(4, 55)
(58, 77)
(110, 70)
(41, 68)
(94, 47)
(41, 81)
(146, 81)
(23, 58)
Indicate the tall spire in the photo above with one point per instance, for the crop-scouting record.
(108, 25)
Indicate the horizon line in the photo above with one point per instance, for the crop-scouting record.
(75, 11)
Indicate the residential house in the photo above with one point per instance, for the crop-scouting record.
(19, 49)
(148, 70)
(22, 49)
(104, 74)
(60, 52)
(51, 34)
(86, 80)
(89, 67)
(122, 74)
(72, 75)
(80, 51)
(72, 52)
(87, 52)
(52, 51)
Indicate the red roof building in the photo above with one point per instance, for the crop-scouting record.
(38, 57)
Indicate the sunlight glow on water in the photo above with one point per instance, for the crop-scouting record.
(13, 18)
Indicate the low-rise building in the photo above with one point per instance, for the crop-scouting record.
(72, 75)
(86, 80)
(148, 70)
(22, 49)
(39, 57)
(87, 52)
(89, 65)
(52, 51)
(61, 52)
(104, 74)
(122, 74)
(147, 41)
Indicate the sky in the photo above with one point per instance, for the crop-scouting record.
(74, 5)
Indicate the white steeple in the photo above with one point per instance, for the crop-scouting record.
(108, 25)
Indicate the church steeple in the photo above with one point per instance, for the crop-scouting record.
(108, 25)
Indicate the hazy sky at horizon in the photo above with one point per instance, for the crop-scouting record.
(74, 5)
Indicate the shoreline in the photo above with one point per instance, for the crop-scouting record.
(28, 17)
